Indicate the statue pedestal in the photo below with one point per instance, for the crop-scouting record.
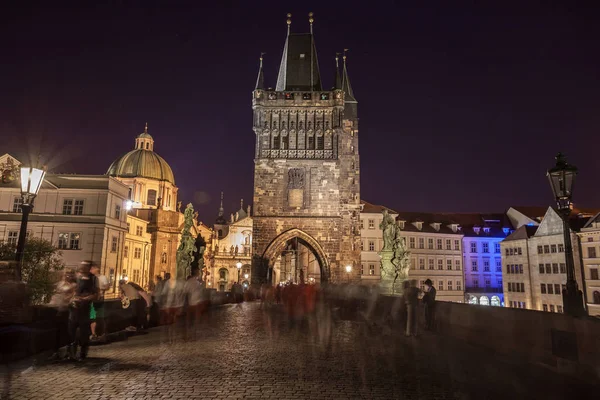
(388, 274)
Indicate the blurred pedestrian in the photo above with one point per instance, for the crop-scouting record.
(63, 294)
(86, 292)
(193, 294)
(97, 307)
(429, 303)
(411, 299)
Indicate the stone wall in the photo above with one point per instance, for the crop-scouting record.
(564, 344)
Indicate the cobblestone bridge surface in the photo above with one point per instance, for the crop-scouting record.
(245, 352)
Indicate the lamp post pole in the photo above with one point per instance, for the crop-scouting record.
(561, 179)
(25, 209)
(31, 181)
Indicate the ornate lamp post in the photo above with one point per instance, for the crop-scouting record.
(348, 270)
(31, 181)
(238, 265)
(561, 178)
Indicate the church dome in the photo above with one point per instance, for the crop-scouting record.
(142, 162)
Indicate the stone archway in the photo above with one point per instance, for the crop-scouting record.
(277, 245)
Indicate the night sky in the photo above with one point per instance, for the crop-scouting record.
(462, 108)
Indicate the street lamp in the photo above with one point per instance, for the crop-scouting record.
(246, 276)
(348, 270)
(31, 181)
(238, 265)
(561, 178)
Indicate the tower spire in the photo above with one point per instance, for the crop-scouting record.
(310, 21)
(346, 87)
(337, 81)
(241, 204)
(299, 68)
(289, 23)
(260, 81)
(221, 211)
(146, 128)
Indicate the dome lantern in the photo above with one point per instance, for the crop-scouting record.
(144, 141)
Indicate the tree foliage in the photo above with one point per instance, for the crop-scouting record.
(42, 263)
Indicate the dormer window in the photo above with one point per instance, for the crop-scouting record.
(505, 230)
(486, 231)
(419, 225)
(476, 229)
(401, 224)
(436, 226)
(454, 227)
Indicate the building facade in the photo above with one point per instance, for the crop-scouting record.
(306, 170)
(534, 265)
(231, 244)
(482, 257)
(82, 215)
(589, 240)
(371, 242)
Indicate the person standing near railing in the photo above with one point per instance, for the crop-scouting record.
(429, 303)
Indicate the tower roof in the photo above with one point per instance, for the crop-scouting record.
(299, 69)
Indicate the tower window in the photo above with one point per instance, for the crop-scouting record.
(320, 142)
(311, 142)
(284, 142)
(276, 142)
(151, 197)
(147, 146)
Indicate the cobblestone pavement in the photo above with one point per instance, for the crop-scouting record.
(243, 352)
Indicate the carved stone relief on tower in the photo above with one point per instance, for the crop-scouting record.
(296, 187)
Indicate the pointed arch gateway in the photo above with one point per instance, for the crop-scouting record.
(279, 244)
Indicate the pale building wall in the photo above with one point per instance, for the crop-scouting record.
(486, 256)
(425, 263)
(100, 218)
(139, 188)
(516, 253)
(590, 252)
(136, 254)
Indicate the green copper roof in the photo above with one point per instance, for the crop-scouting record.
(141, 163)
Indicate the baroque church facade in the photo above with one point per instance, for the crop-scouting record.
(306, 171)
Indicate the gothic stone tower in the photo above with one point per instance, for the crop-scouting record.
(306, 166)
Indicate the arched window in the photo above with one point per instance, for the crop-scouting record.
(320, 142)
(484, 301)
(284, 142)
(311, 142)
(473, 300)
(147, 145)
(596, 297)
(151, 200)
(276, 142)
(496, 301)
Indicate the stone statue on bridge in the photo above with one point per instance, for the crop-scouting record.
(394, 256)
(186, 245)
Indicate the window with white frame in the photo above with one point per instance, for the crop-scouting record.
(125, 251)
(498, 265)
(473, 247)
(73, 207)
(117, 211)
(137, 252)
(431, 263)
(439, 244)
(497, 248)
(486, 247)
(371, 224)
(113, 244)
(457, 264)
(448, 244)
(411, 242)
(456, 244)
(17, 202)
(430, 243)
(421, 243)
(440, 285)
(139, 230)
(421, 263)
(68, 240)
(362, 269)
(474, 265)
(488, 283)
(362, 223)
(371, 245)
(12, 238)
(449, 265)
(486, 265)
(371, 269)
(440, 264)
(475, 283)
(449, 285)
(151, 197)
(458, 285)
